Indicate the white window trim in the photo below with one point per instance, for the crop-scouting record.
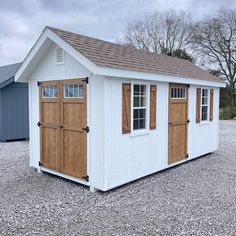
(146, 130)
(49, 89)
(205, 122)
(179, 98)
(64, 91)
(63, 56)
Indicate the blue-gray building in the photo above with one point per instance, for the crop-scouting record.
(14, 109)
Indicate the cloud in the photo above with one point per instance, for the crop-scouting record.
(21, 22)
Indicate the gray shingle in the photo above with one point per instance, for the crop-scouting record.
(7, 72)
(114, 55)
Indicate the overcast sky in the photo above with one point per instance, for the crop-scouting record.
(21, 21)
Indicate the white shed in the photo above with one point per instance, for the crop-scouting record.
(103, 114)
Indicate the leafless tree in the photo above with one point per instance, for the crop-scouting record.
(214, 39)
(160, 32)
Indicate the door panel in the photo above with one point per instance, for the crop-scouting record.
(74, 161)
(73, 121)
(50, 154)
(63, 117)
(50, 126)
(178, 123)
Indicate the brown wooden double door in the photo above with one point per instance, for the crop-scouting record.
(178, 123)
(63, 119)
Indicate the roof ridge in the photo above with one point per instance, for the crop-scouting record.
(121, 45)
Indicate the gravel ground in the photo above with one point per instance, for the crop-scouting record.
(196, 198)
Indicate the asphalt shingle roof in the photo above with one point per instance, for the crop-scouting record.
(8, 72)
(107, 54)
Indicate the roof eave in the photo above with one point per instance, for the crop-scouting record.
(130, 74)
(7, 82)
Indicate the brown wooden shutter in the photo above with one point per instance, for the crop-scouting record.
(153, 96)
(126, 108)
(211, 103)
(198, 105)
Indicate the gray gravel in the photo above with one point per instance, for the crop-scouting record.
(196, 198)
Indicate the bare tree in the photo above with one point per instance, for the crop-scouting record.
(214, 39)
(166, 33)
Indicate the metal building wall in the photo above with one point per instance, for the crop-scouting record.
(14, 112)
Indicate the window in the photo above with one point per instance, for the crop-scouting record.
(73, 91)
(204, 105)
(178, 93)
(49, 91)
(59, 56)
(139, 106)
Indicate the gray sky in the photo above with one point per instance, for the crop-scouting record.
(21, 21)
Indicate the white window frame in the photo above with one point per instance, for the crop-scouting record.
(64, 91)
(146, 129)
(178, 98)
(208, 106)
(49, 91)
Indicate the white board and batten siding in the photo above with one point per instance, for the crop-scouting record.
(115, 158)
(129, 157)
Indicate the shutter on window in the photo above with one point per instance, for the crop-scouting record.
(198, 105)
(211, 103)
(126, 108)
(153, 96)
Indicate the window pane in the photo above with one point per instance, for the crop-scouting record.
(135, 124)
(66, 89)
(81, 91)
(141, 124)
(45, 91)
(204, 101)
(76, 91)
(71, 91)
(136, 101)
(204, 113)
(55, 91)
(142, 101)
(143, 89)
(204, 92)
(50, 91)
(136, 89)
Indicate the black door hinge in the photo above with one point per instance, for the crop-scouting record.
(86, 80)
(187, 155)
(86, 129)
(38, 83)
(188, 121)
(86, 178)
(40, 164)
(39, 124)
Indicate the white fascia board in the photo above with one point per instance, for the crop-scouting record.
(48, 34)
(113, 72)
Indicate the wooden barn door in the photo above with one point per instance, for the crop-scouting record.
(178, 123)
(73, 132)
(50, 125)
(63, 120)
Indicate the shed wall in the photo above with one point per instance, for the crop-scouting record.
(14, 112)
(130, 157)
(2, 135)
(47, 70)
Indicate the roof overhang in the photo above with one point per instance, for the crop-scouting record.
(7, 82)
(48, 36)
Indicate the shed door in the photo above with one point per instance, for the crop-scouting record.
(63, 117)
(178, 123)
